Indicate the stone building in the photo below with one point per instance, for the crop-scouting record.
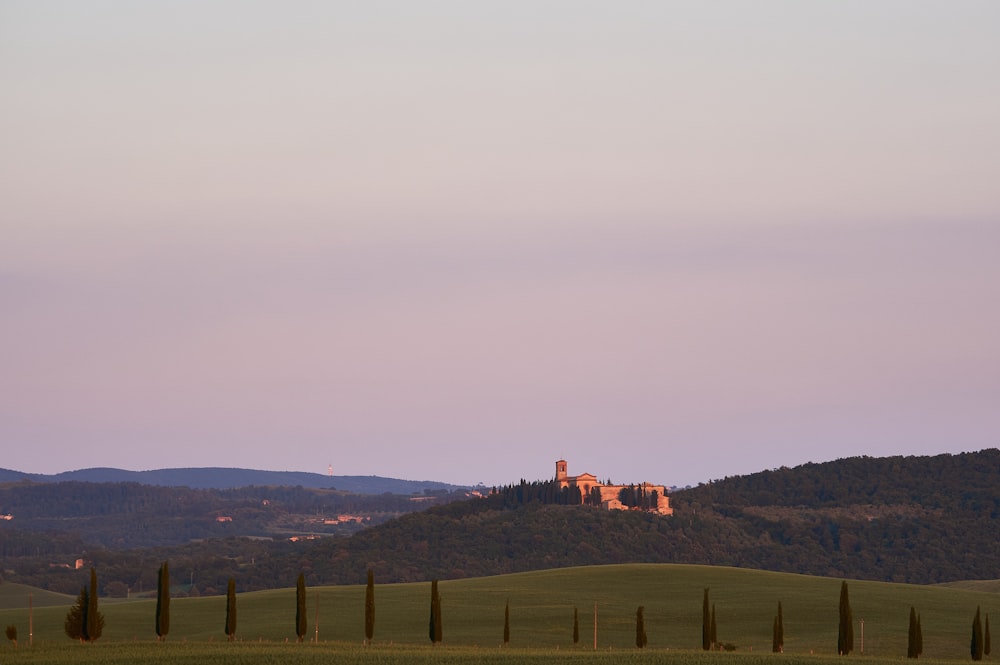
(610, 494)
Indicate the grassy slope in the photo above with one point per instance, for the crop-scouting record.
(988, 586)
(13, 596)
(542, 607)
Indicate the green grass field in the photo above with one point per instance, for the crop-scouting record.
(541, 610)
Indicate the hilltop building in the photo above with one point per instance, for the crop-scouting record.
(655, 496)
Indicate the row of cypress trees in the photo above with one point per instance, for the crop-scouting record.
(980, 644)
(85, 622)
(163, 606)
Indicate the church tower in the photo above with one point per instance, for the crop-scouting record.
(561, 470)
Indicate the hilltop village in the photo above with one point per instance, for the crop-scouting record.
(644, 496)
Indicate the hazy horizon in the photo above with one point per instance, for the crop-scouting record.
(665, 241)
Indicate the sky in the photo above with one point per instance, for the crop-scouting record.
(458, 241)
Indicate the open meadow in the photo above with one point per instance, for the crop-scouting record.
(541, 620)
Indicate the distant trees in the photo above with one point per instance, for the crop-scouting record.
(778, 632)
(300, 607)
(163, 602)
(640, 628)
(977, 645)
(231, 609)
(912, 651)
(434, 626)
(11, 633)
(845, 629)
(506, 624)
(370, 607)
(706, 623)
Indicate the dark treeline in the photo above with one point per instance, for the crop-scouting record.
(545, 492)
(549, 493)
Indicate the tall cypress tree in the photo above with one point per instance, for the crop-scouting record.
(714, 636)
(231, 609)
(94, 625)
(845, 630)
(300, 607)
(163, 602)
(370, 607)
(778, 632)
(911, 636)
(920, 638)
(976, 646)
(640, 628)
(576, 626)
(781, 630)
(434, 627)
(706, 623)
(506, 624)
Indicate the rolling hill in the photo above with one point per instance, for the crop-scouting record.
(541, 612)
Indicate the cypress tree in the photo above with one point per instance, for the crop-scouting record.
(845, 630)
(911, 639)
(434, 628)
(706, 623)
(781, 630)
(986, 637)
(640, 628)
(778, 632)
(370, 607)
(920, 638)
(73, 625)
(300, 607)
(976, 646)
(506, 623)
(576, 626)
(231, 609)
(163, 602)
(714, 636)
(94, 625)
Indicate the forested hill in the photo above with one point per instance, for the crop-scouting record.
(906, 519)
(227, 478)
(943, 482)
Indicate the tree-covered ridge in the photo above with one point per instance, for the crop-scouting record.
(962, 482)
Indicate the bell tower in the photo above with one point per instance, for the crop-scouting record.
(561, 470)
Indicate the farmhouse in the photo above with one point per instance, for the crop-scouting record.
(643, 497)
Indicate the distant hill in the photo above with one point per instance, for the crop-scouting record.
(901, 519)
(227, 478)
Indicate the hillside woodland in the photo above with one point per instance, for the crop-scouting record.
(905, 519)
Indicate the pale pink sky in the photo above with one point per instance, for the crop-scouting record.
(458, 241)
